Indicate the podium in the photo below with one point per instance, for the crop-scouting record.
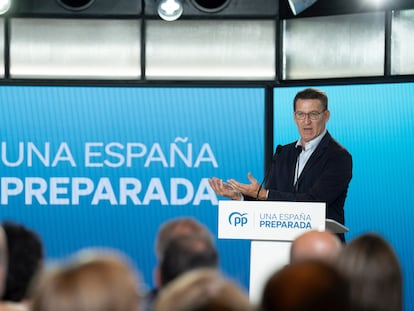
(271, 226)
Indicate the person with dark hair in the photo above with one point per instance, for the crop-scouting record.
(25, 259)
(186, 253)
(374, 273)
(169, 231)
(307, 285)
(181, 226)
(314, 168)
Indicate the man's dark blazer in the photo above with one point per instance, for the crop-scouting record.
(325, 177)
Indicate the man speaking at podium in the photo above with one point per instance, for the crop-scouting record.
(315, 168)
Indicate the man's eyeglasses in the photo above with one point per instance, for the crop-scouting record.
(313, 115)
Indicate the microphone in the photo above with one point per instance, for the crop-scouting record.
(298, 152)
(277, 152)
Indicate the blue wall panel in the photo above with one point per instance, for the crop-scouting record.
(83, 133)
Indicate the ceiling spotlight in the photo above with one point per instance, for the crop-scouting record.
(170, 10)
(210, 6)
(297, 6)
(75, 5)
(4, 6)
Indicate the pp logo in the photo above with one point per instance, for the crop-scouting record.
(237, 219)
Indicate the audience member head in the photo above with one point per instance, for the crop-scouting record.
(306, 286)
(169, 231)
(178, 227)
(374, 273)
(323, 245)
(202, 289)
(185, 253)
(25, 258)
(94, 280)
(3, 260)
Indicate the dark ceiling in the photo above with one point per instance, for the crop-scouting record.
(228, 8)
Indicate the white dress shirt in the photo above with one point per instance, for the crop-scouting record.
(306, 153)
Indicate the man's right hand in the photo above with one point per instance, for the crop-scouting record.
(224, 189)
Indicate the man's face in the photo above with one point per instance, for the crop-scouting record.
(312, 124)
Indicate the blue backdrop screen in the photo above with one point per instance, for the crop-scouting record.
(90, 166)
(105, 166)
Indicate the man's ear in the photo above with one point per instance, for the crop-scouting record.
(328, 115)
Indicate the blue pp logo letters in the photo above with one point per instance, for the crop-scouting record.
(237, 219)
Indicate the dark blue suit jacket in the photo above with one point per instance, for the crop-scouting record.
(325, 177)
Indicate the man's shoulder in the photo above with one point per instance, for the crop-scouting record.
(332, 144)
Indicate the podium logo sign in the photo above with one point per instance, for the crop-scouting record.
(238, 219)
(255, 220)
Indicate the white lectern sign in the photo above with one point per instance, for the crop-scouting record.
(271, 226)
(267, 220)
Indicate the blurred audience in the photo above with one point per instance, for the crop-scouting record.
(323, 274)
(94, 280)
(24, 260)
(323, 245)
(306, 285)
(202, 289)
(169, 231)
(374, 273)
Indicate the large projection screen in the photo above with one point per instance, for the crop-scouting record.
(106, 166)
